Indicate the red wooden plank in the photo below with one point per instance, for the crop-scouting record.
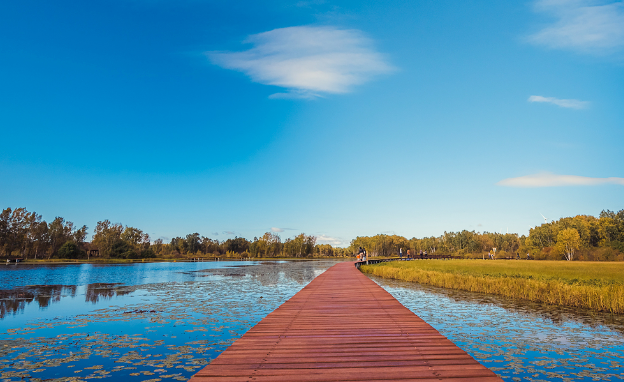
(343, 327)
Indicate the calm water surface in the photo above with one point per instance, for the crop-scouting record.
(521, 341)
(164, 321)
(136, 322)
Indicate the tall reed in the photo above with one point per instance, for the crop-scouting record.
(607, 298)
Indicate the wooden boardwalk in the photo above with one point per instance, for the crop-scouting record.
(343, 327)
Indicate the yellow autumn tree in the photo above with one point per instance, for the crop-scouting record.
(568, 241)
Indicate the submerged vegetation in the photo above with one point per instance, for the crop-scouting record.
(590, 285)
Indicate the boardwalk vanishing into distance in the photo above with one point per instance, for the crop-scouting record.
(343, 327)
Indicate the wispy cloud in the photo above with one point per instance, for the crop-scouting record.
(323, 239)
(229, 233)
(307, 61)
(294, 95)
(586, 26)
(568, 103)
(277, 229)
(547, 179)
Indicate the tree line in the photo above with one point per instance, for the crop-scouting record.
(268, 245)
(25, 234)
(582, 237)
(463, 243)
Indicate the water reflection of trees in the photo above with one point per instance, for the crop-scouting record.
(95, 291)
(13, 301)
(273, 272)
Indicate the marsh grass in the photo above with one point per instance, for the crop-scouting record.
(592, 285)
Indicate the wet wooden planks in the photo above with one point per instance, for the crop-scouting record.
(343, 327)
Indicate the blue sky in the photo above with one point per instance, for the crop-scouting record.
(333, 118)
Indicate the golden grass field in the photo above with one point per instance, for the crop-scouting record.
(591, 285)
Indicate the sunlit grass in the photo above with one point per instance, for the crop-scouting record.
(592, 285)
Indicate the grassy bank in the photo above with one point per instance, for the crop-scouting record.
(592, 285)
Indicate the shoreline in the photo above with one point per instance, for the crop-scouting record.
(165, 260)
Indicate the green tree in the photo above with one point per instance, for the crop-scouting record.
(137, 239)
(70, 250)
(121, 249)
(134, 236)
(106, 235)
(148, 253)
(210, 246)
(39, 235)
(14, 226)
(237, 245)
(269, 245)
(192, 243)
(59, 232)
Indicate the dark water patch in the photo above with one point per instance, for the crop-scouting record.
(94, 292)
(14, 301)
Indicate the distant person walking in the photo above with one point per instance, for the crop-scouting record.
(401, 253)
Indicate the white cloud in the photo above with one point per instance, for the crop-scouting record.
(586, 26)
(323, 239)
(306, 60)
(547, 179)
(568, 103)
(277, 229)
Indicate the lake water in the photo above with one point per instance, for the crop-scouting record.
(519, 340)
(137, 322)
(165, 321)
